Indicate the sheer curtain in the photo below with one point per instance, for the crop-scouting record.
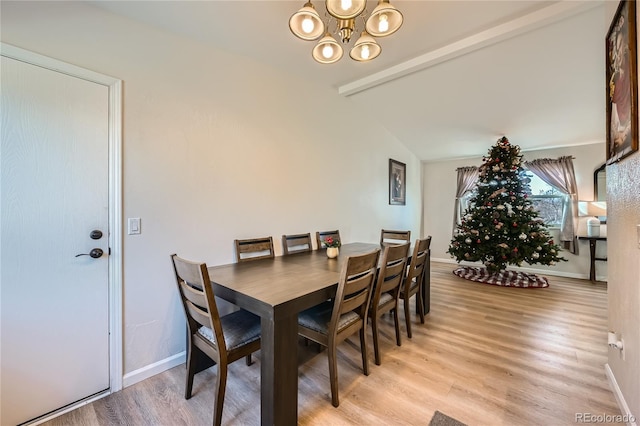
(467, 177)
(560, 174)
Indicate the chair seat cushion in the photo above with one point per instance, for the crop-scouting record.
(318, 318)
(239, 328)
(385, 298)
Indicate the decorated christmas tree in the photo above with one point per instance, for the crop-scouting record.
(501, 227)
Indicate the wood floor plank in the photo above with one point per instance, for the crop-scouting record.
(487, 355)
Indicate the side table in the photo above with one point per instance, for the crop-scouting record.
(592, 252)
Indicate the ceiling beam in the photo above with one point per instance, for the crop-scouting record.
(540, 18)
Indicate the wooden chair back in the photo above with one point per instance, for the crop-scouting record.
(414, 280)
(322, 235)
(297, 243)
(206, 341)
(387, 290)
(392, 271)
(394, 237)
(254, 249)
(418, 259)
(354, 292)
(199, 302)
(332, 321)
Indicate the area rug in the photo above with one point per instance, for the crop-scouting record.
(503, 278)
(440, 419)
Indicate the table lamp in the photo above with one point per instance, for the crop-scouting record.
(593, 209)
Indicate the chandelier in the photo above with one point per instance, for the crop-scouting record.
(307, 25)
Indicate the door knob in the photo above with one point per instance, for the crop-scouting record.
(95, 253)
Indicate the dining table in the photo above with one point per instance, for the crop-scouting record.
(276, 290)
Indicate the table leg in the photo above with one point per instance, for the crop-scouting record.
(426, 285)
(592, 252)
(279, 371)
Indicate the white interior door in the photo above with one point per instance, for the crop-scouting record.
(54, 193)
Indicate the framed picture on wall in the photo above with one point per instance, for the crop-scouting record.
(397, 182)
(622, 83)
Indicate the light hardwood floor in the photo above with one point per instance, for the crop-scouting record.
(487, 355)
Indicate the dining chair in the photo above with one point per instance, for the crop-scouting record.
(254, 249)
(414, 280)
(222, 339)
(322, 235)
(394, 237)
(386, 292)
(296, 243)
(331, 322)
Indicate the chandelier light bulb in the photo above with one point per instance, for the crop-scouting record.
(383, 23)
(345, 9)
(384, 20)
(307, 25)
(365, 48)
(327, 51)
(365, 53)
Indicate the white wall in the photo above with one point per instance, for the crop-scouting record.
(440, 180)
(623, 210)
(217, 147)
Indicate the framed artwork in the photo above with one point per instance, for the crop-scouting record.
(397, 182)
(622, 83)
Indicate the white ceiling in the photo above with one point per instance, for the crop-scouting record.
(453, 79)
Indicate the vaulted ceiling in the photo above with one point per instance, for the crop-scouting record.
(454, 78)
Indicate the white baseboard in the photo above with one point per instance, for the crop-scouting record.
(527, 270)
(622, 403)
(152, 369)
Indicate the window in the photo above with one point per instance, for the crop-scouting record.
(465, 201)
(547, 200)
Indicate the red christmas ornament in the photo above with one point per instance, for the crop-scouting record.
(515, 249)
(515, 224)
(478, 241)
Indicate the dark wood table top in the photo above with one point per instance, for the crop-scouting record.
(262, 285)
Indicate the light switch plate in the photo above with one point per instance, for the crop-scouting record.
(134, 225)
